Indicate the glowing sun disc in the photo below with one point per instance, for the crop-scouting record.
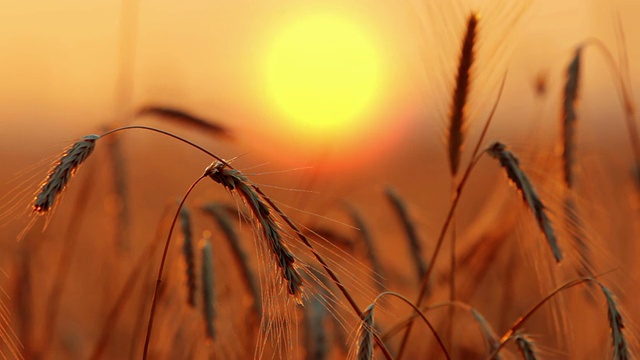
(323, 73)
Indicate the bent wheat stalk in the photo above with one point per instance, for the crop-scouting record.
(76, 156)
(616, 323)
(231, 179)
(156, 291)
(418, 313)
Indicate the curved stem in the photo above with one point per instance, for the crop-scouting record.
(162, 262)
(521, 320)
(179, 138)
(127, 288)
(419, 313)
(454, 204)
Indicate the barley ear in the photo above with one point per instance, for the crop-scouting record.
(62, 172)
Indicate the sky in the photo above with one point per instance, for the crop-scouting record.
(68, 67)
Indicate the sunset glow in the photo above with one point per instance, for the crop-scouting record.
(323, 74)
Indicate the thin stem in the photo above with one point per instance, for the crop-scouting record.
(454, 204)
(125, 293)
(402, 324)
(419, 313)
(521, 320)
(142, 127)
(162, 262)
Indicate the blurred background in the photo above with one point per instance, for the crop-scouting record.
(344, 97)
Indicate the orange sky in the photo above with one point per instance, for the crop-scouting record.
(59, 64)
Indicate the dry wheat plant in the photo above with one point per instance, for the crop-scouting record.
(521, 265)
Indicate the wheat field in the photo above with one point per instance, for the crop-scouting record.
(502, 225)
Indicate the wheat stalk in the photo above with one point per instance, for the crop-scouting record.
(117, 160)
(511, 165)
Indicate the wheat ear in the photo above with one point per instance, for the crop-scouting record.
(219, 213)
(185, 118)
(410, 231)
(367, 239)
(489, 335)
(365, 335)
(457, 116)
(189, 255)
(525, 346)
(616, 323)
(511, 165)
(62, 172)
(569, 117)
(233, 180)
(208, 289)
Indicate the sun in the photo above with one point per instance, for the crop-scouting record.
(323, 73)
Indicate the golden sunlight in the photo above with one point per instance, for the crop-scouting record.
(323, 74)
